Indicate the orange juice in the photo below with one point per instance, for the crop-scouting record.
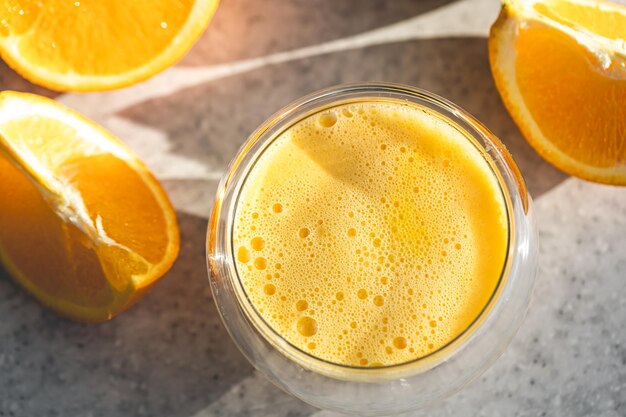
(371, 234)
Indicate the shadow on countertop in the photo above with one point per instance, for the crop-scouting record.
(209, 122)
(11, 80)
(167, 356)
(244, 29)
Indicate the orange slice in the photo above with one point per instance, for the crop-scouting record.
(89, 45)
(84, 226)
(560, 67)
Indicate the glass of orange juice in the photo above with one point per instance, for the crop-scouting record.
(372, 248)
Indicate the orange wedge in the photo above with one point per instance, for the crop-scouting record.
(89, 45)
(560, 67)
(84, 226)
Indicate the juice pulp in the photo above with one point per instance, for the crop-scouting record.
(371, 234)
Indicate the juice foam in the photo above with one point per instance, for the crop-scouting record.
(371, 234)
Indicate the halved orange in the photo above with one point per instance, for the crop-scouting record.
(84, 226)
(560, 67)
(90, 45)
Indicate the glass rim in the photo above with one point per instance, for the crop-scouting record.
(506, 175)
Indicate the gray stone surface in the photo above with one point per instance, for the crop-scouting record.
(243, 29)
(170, 356)
(211, 131)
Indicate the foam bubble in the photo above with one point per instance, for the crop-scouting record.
(243, 254)
(307, 326)
(328, 119)
(399, 342)
(260, 263)
(379, 300)
(257, 243)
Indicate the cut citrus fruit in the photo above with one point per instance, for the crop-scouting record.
(88, 45)
(84, 226)
(560, 67)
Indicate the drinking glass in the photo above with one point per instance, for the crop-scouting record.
(383, 390)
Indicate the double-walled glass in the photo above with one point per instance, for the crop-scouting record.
(391, 389)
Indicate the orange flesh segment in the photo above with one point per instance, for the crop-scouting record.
(104, 181)
(578, 106)
(592, 18)
(43, 258)
(53, 35)
(84, 226)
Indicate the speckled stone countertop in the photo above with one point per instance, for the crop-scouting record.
(170, 356)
